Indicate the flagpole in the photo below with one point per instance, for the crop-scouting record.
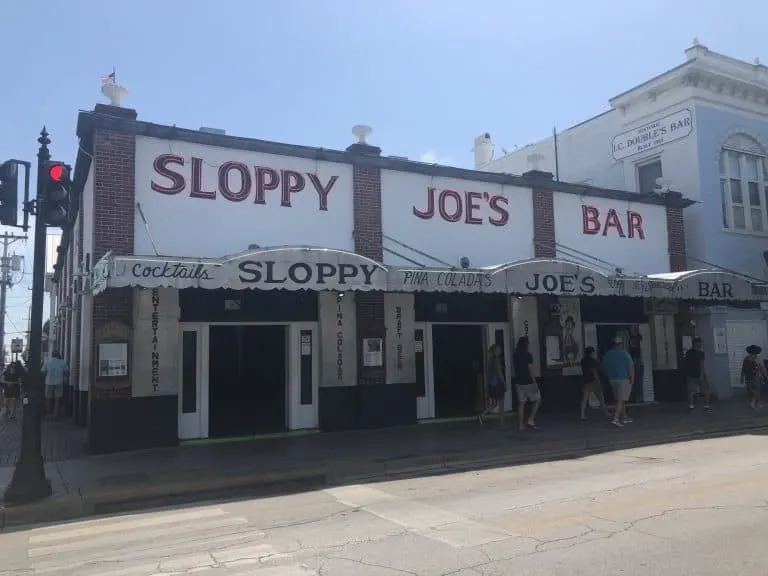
(557, 159)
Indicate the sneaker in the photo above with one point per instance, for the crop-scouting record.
(617, 423)
(627, 421)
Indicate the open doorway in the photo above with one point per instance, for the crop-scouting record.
(457, 360)
(247, 391)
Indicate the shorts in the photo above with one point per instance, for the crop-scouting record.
(11, 391)
(594, 387)
(52, 392)
(622, 389)
(528, 393)
(496, 392)
(697, 385)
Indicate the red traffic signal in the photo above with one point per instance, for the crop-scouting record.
(58, 172)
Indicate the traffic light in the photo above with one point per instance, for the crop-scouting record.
(9, 193)
(55, 206)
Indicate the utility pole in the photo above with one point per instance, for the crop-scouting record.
(5, 283)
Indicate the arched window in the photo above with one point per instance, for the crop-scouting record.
(744, 185)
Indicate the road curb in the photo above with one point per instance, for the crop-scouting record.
(75, 506)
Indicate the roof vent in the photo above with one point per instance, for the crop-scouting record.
(208, 130)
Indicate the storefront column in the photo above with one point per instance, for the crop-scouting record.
(116, 420)
(676, 232)
(544, 245)
(379, 404)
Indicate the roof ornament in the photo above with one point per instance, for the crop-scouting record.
(110, 88)
(361, 132)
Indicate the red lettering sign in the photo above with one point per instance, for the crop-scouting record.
(235, 181)
(592, 224)
(466, 207)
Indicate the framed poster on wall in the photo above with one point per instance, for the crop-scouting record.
(112, 359)
(373, 354)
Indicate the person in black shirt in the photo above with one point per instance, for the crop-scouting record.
(527, 387)
(695, 376)
(591, 383)
(11, 381)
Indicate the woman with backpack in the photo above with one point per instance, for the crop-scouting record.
(753, 375)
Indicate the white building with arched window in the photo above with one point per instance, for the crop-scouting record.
(701, 129)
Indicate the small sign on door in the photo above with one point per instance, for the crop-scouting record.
(306, 344)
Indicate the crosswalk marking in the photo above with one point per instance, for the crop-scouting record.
(124, 526)
(125, 538)
(169, 543)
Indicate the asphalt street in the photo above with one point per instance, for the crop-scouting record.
(697, 508)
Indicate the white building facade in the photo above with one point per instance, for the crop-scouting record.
(700, 128)
(216, 286)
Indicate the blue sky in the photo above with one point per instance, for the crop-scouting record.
(427, 75)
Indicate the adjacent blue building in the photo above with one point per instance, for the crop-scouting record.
(700, 129)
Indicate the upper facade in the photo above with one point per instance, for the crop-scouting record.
(154, 190)
(700, 128)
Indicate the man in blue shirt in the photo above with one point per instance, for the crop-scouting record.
(620, 369)
(54, 371)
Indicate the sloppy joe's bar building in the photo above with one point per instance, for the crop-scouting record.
(222, 286)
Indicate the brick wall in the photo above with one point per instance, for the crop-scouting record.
(368, 243)
(113, 214)
(676, 238)
(544, 224)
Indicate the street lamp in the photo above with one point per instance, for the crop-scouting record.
(51, 207)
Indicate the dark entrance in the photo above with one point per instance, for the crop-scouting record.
(247, 380)
(457, 362)
(628, 332)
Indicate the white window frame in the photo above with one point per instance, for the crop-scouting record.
(725, 178)
(642, 164)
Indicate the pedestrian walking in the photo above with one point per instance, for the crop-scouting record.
(11, 381)
(495, 385)
(590, 370)
(620, 369)
(696, 376)
(753, 375)
(527, 388)
(54, 372)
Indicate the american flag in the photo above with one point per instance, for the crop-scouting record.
(109, 79)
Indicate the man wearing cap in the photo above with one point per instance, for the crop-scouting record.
(695, 376)
(620, 369)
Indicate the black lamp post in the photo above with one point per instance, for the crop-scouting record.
(29, 482)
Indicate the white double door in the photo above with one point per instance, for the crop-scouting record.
(495, 333)
(303, 375)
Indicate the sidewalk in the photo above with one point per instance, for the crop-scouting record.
(103, 484)
(61, 440)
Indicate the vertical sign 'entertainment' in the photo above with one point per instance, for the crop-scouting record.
(399, 336)
(339, 339)
(155, 347)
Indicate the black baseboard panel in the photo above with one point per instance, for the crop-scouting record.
(384, 405)
(669, 386)
(370, 406)
(118, 425)
(338, 408)
(80, 408)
